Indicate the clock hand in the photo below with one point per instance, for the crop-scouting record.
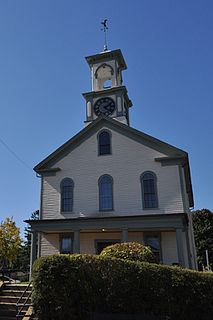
(102, 109)
(105, 105)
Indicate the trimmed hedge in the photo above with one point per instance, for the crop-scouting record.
(129, 251)
(76, 286)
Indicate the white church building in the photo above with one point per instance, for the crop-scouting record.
(111, 183)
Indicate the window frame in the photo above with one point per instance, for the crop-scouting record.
(67, 236)
(150, 234)
(143, 191)
(99, 187)
(61, 195)
(110, 142)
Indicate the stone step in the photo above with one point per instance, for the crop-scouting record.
(14, 293)
(9, 296)
(7, 313)
(14, 299)
(6, 306)
(17, 287)
(10, 306)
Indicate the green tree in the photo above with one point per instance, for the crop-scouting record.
(203, 233)
(23, 259)
(10, 242)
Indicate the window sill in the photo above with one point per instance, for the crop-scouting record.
(107, 154)
(66, 252)
(66, 212)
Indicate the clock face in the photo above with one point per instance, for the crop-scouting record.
(104, 106)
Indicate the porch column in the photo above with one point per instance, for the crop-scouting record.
(188, 248)
(33, 254)
(124, 235)
(76, 241)
(39, 245)
(179, 239)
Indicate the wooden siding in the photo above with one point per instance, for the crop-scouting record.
(135, 236)
(49, 244)
(128, 160)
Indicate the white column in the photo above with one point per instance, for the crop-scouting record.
(125, 235)
(188, 249)
(89, 109)
(38, 245)
(76, 241)
(119, 106)
(33, 254)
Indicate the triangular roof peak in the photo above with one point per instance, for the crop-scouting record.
(171, 153)
(132, 133)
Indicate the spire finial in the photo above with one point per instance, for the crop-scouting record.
(105, 28)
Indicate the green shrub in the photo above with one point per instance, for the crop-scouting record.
(75, 286)
(129, 251)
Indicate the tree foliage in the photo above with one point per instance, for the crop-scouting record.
(93, 287)
(203, 233)
(129, 251)
(23, 259)
(10, 242)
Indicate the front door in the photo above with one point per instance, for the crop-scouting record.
(101, 244)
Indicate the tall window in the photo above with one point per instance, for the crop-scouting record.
(66, 243)
(153, 241)
(105, 193)
(67, 186)
(104, 143)
(149, 190)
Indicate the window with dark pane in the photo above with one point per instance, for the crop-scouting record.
(106, 193)
(153, 241)
(66, 195)
(66, 244)
(149, 190)
(104, 141)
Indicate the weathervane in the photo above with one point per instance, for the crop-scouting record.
(105, 28)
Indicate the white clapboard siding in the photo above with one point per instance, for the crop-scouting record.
(128, 161)
(49, 244)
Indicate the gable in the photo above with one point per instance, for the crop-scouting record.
(109, 123)
(164, 153)
(125, 153)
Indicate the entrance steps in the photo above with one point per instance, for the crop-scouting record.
(10, 295)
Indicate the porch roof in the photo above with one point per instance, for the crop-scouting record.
(156, 221)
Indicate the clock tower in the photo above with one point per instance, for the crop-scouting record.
(108, 96)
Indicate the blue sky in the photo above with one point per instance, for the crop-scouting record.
(168, 47)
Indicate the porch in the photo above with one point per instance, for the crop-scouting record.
(167, 234)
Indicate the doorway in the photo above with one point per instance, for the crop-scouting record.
(101, 244)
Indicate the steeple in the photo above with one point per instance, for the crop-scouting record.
(108, 95)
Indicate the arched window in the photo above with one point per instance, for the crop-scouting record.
(67, 186)
(149, 190)
(104, 143)
(105, 193)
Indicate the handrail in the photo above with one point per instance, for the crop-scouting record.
(24, 304)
